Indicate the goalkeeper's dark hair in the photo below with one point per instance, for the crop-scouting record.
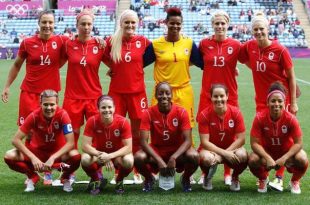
(173, 11)
(104, 97)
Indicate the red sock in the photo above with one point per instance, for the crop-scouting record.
(91, 171)
(74, 163)
(189, 169)
(21, 167)
(260, 172)
(145, 171)
(238, 169)
(226, 170)
(280, 172)
(122, 173)
(297, 172)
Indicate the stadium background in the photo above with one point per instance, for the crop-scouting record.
(24, 22)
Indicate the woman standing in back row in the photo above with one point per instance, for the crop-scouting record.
(125, 49)
(269, 61)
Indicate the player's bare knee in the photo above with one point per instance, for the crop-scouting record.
(206, 160)
(127, 161)
(140, 157)
(86, 160)
(242, 155)
(11, 154)
(301, 158)
(254, 160)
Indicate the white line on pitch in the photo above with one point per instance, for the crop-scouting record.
(303, 81)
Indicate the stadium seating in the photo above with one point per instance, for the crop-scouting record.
(192, 18)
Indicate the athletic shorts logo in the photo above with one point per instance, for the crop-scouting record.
(175, 122)
(186, 51)
(54, 45)
(95, 50)
(231, 123)
(56, 125)
(271, 56)
(230, 50)
(284, 129)
(117, 133)
(138, 44)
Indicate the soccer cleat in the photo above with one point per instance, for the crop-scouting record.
(72, 178)
(67, 186)
(192, 180)
(119, 188)
(30, 184)
(148, 185)
(113, 180)
(186, 184)
(137, 178)
(227, 180)
(48, 178)
(235, 185)
(94, 187)
(276, 184)
(201, 178)
(207, 184)
(262, 185)
(295, 187)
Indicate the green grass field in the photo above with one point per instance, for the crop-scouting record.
(11, 183)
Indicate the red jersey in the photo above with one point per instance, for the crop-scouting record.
(222, 131)
(220, 60)
(42, 63)
(47, 135)
(128, 74)
(166, 129)
(107, 138)
(83, 66)
(268, 65)
(276, 137)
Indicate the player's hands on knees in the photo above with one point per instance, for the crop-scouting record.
(49, 163)
(171, 163)
(38, 165)
(281, 161)
(270, 163)
(5, 95)
(231, 157)
(104, 158)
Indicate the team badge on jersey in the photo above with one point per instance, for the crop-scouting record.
(117, 133)
(231, 123)
(175, 122)
(284, 129)
(230, 50)
(56, 125)
(138, 44)
(186, 51)
(54, 45)
(271, 56)
(95, 50)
